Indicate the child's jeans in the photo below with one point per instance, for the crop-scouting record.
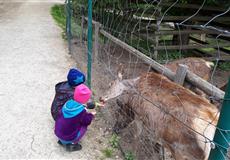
(79, 135)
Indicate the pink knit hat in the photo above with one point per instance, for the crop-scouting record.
(82, 93)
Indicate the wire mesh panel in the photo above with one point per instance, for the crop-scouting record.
(133, 39)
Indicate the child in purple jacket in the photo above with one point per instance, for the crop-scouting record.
(72, 121)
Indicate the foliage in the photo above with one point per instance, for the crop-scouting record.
(225, 66)
(59, 15)
(129, 156)
(173, 55)
(114, 141)
(108, 152)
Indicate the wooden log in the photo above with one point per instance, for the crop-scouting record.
(190, 77)
(181, 74)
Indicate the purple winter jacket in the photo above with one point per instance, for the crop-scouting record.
(71, 119)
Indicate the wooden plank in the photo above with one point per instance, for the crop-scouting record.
(190, 31)
(210, 53)
(189, 47)
(181, 18)
(190, 77)
(194, 6)
(181, 74)
(221, 58)
(205, 86)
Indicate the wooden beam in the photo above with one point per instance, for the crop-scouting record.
(210, 53)
(205, 86)
(196, 18)
(221, 58)
(190, 31)
(191, 46)
(190, 77)
(194, 6)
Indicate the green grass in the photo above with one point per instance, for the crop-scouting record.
(114, 141)
(208, 49)
(108, 152)
(129, 156)
(172, 55)
(58, 13)
(225, 66)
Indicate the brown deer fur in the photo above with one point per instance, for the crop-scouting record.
(198, 66)
(170, 110)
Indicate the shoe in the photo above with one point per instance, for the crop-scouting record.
(73, 147)
(59, 142)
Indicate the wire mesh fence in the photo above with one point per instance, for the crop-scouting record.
(156, 118)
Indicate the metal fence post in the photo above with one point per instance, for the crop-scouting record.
(90, 42)
(222, 135)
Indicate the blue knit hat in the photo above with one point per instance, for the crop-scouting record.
(75, 77)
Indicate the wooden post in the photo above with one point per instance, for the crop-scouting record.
(203, 37)
(96, 41)
(82, 25)
(157, 36)
(181, 74)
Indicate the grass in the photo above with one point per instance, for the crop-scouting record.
(108, 152)
(225, 66)
(208, 49)
(114, 141)
(172, 55)
(58, 13)
(129, 156)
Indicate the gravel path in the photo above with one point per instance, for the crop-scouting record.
(33, 58)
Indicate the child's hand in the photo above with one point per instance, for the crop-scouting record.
(94, 113)
(100, 104)
(102, 100)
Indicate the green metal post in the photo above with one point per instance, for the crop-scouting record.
(90, 42)
(222, 135)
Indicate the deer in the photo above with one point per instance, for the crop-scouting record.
(182, 122)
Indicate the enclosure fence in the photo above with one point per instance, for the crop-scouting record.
(132, 37)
